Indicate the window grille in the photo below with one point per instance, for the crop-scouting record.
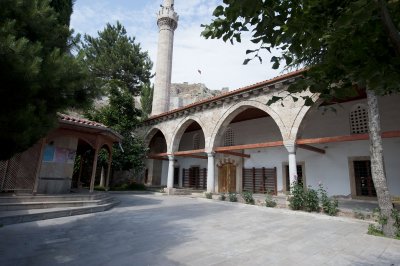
(196, 141)
(229, 137)
(359, 120)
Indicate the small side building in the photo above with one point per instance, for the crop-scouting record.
(50, 166)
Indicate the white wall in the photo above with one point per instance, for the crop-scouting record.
(331, 168)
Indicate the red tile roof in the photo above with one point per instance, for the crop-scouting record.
(80, 121)
(243, 89)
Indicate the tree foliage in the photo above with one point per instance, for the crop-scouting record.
(38, 75)
(120, 69)
(146, 100)
(345, 45)
(342, 43)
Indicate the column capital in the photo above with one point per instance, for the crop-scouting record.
(290, 145)
(211, 154)
(171, 157)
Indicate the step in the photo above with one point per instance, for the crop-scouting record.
(14, 206)
(52, 198)
(14, 217)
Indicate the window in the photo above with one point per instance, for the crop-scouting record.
(229, 137)
(359, 119)
(196, 141)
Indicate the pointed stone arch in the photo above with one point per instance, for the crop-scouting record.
(152, 132)
(300, 121)
(233, 111)
(180, 130)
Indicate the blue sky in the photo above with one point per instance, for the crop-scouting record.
(220, 63)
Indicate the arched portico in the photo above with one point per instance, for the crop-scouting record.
(157, 145)
(233, 111)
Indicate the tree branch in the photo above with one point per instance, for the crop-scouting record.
(392, 31)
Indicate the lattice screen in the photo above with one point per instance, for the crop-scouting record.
(196, 141)
(229, 137)
(18, 173)
(359, 120)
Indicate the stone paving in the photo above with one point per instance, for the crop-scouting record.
(177, 230)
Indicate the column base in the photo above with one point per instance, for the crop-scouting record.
(170, 191)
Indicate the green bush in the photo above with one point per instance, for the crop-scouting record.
(99, 188)
(129, 187)
(297, 197)
(248, 197)
(311, 200)
(232, 197)
(329, 206)
(222, 197)
(396, 217)
(269, 201)
(208, 195)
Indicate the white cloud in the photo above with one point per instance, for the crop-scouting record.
(220, 63)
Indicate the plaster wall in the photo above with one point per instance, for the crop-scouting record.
(56, 174)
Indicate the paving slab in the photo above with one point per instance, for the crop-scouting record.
(148, 229)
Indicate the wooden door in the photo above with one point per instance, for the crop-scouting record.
(227, 178)
(363, 177)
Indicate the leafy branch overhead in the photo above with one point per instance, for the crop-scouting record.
(342, 43)
(346, 47)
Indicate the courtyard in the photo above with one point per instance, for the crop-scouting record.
(146, 229)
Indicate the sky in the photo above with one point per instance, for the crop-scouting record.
(220, 63)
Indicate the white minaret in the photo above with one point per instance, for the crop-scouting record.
(167, 21)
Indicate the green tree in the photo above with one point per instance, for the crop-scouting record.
(345, 45)
(38, 75)
(146, 100)
(120, 69)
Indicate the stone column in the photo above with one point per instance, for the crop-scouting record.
(94, 166)
(167, 21)
(102, 177)
(108, 171)
(211, 172)
(170, 179)
(291, 147)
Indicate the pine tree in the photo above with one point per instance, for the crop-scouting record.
(38, 75)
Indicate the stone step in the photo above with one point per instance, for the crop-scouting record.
(52, 198)
(14, 206)
(22, 216)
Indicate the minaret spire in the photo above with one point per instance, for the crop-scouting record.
(167, 21)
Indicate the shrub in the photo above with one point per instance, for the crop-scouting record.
(359, 215)
(269, 201)
(99, 188)
(296, 199)
(222, 197)
(375, 230)
(232, 197)
(311, 200)
(248, 197)
(128, 187)
(396, 217)
(208, 195)
(329, 206)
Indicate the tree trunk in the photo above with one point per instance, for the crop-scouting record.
(377, 164)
